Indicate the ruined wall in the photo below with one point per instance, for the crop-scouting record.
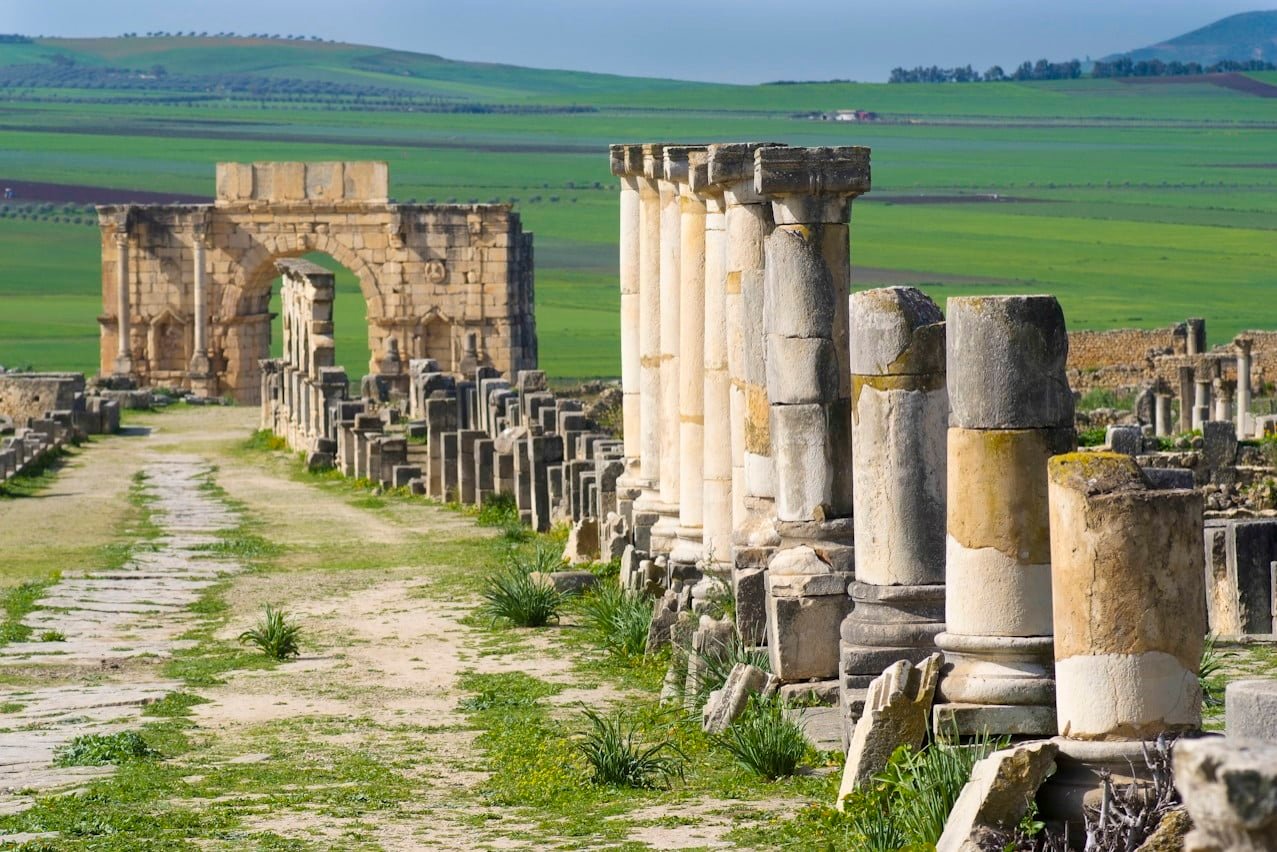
(1092, 350)
(448, 282)
(27, 396)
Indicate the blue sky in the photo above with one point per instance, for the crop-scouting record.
(743, 41)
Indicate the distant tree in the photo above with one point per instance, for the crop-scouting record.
(995, 74)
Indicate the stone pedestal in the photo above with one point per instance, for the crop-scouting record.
(1201, 401)
(899, 417)
(1011, 409)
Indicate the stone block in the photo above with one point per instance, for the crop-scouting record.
(583, 542)
(1005, 358)
(726, 704)
(1230, 790)
(1169, 477)
(1001, 788)
(896, 712)
(566, 582)
(1127, 440)
(802, 635)
(1250, 709)
(1219, 444)
(402, 474)
(751, 604)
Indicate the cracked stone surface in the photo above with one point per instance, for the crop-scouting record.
(140, 609)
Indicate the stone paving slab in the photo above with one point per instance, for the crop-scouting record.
(139, 609)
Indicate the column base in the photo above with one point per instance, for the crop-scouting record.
(1002, 684)
(689, 549)
(1076, 782)
(664, 535)
(124, 365)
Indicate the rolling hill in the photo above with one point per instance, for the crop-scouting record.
(1249, 35)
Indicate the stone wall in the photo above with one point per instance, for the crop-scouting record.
(28, 396)
(449, 282)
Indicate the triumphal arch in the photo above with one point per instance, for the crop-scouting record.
(186, 287)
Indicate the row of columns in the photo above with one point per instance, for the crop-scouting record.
(1205, 395)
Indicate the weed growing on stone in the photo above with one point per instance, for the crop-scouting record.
(619, 755)
(275, 635)
(53, 636)
(764, 740)
(717, 664)
(104, 749)
(16, 603)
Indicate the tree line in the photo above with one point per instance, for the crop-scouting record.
(1071, 70)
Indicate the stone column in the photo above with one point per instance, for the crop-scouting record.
(1245, 429)
(900, 415)
(1195, 341)
(1162, 413)
(665, 529)
(643, 160)
(200, 366)
(717, 472)
(624, 163)
(748, 221)
(688, 549)
(1201, 401)
(1223, 400)
(1186, 398)
(1011, 409)
(1127, 585)
(809, 393)
(124, 352)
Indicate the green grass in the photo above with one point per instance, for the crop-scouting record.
(1141, 201)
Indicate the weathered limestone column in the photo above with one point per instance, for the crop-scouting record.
(665, 530)
(1162, 414)
(124, 352)
(716, 506)
(623, 168)
(1127, 585)
(1195, 341)
(200, 367)
(1186, 398)
(809, 393)
(748, 221)
(688, 549)
(900, 414)
(642, 160)
(1011, 409)
(1201, 401)
(1223, 399)
(1245, 429)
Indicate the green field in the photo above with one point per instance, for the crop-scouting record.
(1137, 204)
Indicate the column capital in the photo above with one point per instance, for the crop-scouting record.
(626, 160)
(676, 163)
(653, 161)
(1243, 344)
(734, 162)
(812, 171)
(121, 238)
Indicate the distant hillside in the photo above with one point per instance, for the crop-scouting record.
(218, 62)
(1249, 35)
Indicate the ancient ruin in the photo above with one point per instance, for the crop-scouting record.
(186, 287)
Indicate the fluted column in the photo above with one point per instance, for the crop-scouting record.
(124, 353)
(716, 503)
(643, 160)
(748, 222)
(809, 394)
(687, 551)
(624, 162)
(664, 533)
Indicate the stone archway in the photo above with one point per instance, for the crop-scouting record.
(427, 273)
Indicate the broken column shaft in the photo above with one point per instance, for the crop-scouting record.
(1011, 409)
(900, 417)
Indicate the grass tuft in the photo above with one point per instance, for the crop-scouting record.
(275, 635)
(514, 596)
(618, 757)
(618, 619)
(764, 741)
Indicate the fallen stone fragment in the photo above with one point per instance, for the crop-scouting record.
(998, 794)
(725, 705)
(896, 713)
(1230, 790)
